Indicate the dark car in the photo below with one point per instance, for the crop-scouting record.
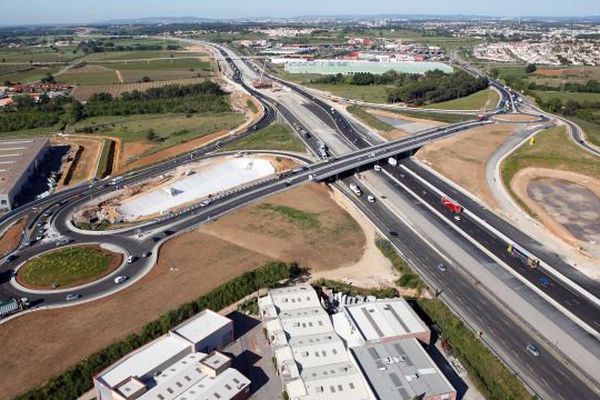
(394, 233)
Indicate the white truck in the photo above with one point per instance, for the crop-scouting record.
(12, 306)
(355, 189)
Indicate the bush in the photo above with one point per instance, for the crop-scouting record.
(78, 379)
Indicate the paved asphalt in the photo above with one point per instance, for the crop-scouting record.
(467, 297)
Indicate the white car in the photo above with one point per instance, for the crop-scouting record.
(204, 203)
(120, 279)
(72, 296)
(130, 259)
(377, 167)
(370, 199)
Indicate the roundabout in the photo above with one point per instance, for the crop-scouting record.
(67, 268)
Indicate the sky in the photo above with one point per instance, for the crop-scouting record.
(17, 12)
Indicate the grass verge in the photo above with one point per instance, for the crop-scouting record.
(68, 267)
(370, 119)
(106, 157)
(273, 137)
(368, 93)
(487, 98)
(435, 116)
(489, 375)
(408, 279)
(303, 219)
(251, 106)
(78, 379)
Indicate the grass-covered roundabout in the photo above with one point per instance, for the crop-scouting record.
(68, 267)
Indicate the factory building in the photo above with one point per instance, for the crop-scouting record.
(368, 349)
(19, 160)
(172, 367)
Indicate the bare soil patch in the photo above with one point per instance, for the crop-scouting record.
(332, 239)
(462, 158)
(11, 237)
(131, 150)
(45, 343)
(550, 217)
(399, 132)
(516, 118)
(85, 166)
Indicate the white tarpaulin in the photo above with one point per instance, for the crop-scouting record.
(209, 180)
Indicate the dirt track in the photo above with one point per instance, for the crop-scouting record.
(548, 215)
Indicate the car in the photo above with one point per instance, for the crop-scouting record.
(370, 199)
(204, 203)
(130, 259)
(72, 296)
(441, 267)
(544, 281)
(394, 233)
(377, 167)
(12, 257)
(147, 254)
(120, 279)
(63, 241)
(533, 350)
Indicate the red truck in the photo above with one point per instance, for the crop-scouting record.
(451, 205)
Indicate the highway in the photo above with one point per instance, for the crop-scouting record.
(466, 295)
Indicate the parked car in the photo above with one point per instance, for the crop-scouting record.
(120, 279)
(72, 296)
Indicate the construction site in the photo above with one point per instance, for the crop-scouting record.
(196, 183)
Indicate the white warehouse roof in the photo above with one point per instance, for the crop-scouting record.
(201, 326)
(386, 319)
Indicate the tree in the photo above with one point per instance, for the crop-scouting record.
(146, 79)
(151, 135)
(530, 68)
(49, 78)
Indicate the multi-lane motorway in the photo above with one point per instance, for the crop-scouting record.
(502, 330)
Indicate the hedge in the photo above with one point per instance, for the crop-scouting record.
(78, 379)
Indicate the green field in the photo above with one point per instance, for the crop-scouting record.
(369, 119)
(140, 55)
(435, 116)
(484, 99)
(89, 76)
(25, 73)
(371, 93)
(564, 96)
(591, 129)
(304, 220)
(67, 267)
(553, 149)
(37, 54)
(273, 137)
(170, 129)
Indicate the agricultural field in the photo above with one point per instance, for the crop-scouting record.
(83, 93)
(38, 55)
(25, 73)
(89, 75)
(565, 96)
(141, 55)
(484, 99)
(370, 93)
(558, 76)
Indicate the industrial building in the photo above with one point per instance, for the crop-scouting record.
(311, 358)
(380, 321)
(19, 160)
(402, 369)
(367, 350)
(172, 367)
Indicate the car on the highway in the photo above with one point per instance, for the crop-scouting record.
(377, 167)
(533, 350)
(120, 279)
(394, 233)
(63, 241)
(130, 259)
(441, 267)
(544, 281)
(370, 199)
(204, 203)
(72, 296)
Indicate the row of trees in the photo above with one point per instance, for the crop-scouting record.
(99, 46)
(431, 87)
(77, 380)
(25, 113)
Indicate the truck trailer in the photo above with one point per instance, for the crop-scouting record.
(12, 306)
